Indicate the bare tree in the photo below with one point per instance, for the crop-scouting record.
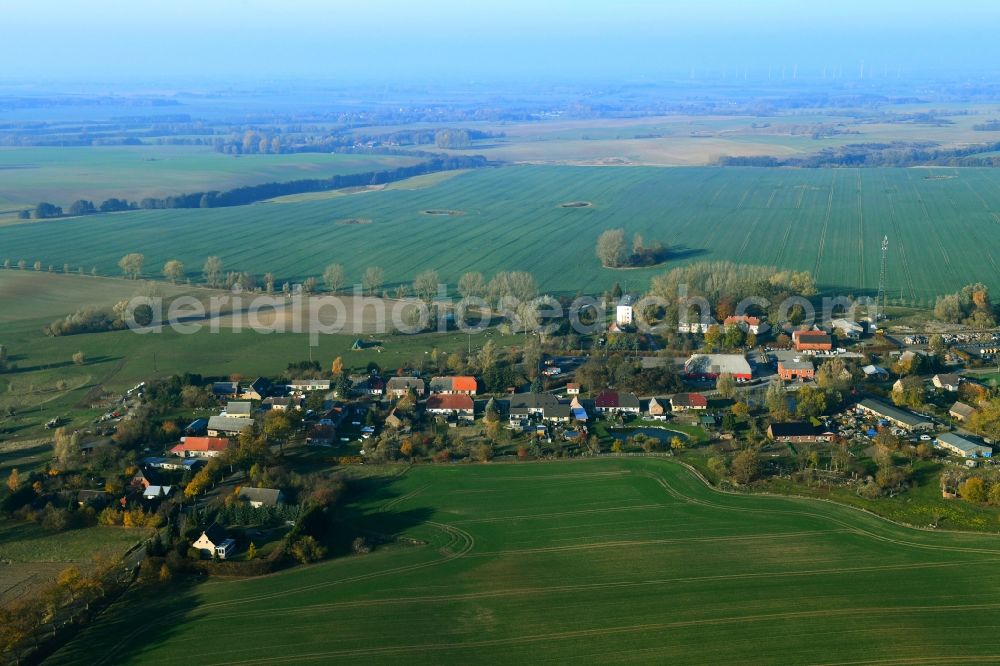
(213, 271)
(611, 247)
(334, 278)
(425, 285)
(472, 285)
(372, 280)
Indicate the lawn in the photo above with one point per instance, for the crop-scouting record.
(942, 232)
(588, 561)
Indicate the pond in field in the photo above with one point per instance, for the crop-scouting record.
(662, 434)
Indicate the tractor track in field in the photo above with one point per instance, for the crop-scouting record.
(746, 241)
(604, 631)
(861, 235)
(673, 492)
(826, 225)
(588, 587)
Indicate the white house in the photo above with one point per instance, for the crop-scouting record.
(625, 312)
(214, 542)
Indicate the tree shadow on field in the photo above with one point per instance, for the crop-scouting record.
(91, 360)
(370, 511)
(684, 252)
(141, 619)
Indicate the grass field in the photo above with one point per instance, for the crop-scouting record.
(588, 561)
(118, 360)
(62, 175)
(943, 232)
(31, 556)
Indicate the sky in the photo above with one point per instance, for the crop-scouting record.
(482, 40)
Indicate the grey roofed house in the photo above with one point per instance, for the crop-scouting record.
(948, 381)
(401, 385)
(227, 424)
(900, 417)
(261, 496)
(239, 409)
(222, 389)
(544, 404)
(440, 384)
(961, 411)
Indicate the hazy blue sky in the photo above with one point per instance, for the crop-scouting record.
(108, 40)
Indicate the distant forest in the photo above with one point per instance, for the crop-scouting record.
(895, 154)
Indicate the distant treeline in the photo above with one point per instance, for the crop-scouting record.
(988, 126)
(253, 193)
(253, 142)
(895, 154)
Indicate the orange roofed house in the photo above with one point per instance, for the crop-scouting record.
(812, 341)
(451, 385)
(201, 447)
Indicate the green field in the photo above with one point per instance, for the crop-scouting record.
(598, 561)
(62, 175)
(943, 231)
(118, 360)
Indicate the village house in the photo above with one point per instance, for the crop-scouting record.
(796, 433)
(201, 447)
(258, 389)
(625, 311)
(577, 410)
(613, 402)
(258, 497)
(875, 373)
(227, 426)
(947, 381)
(682, 402)
(542, 405)
(796, 370)
(572, 389)
(226, 389)
(454, 385)
(213, 542)
(280, 404)
(398, 387)
(157, 492)
(656, 410)
(710, 366)
(393, 420)
(238, 410)
(961, 411)
(459, 405)
(812, 341)
(747, 323)
(307, 385)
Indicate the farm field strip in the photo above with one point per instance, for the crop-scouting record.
(815, 578)
(828, 221)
